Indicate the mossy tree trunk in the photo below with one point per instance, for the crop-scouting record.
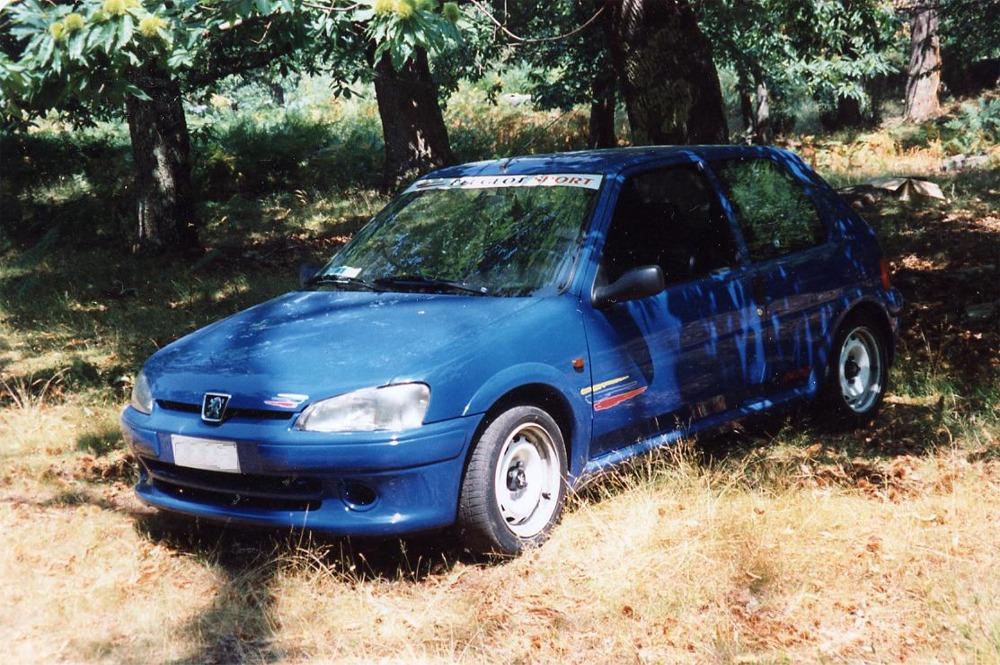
(762, 114)
(924, 73)
(668, 79)
(602, 111)
(416, 138)
(161, 152)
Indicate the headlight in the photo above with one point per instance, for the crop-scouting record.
(397, 407)
(142, 396)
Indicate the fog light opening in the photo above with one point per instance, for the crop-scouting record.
(357, 496)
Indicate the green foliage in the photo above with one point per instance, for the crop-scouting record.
(974, 128)
(70, 50)
(75, 183)
(12, 84)
(479, 129)
(821, 49)
(85, 56)
(72, 182)
(561, 71)
(970, 29)
(971, 127)
(398, 27)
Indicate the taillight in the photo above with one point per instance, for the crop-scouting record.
(883, 265)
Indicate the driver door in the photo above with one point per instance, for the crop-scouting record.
(662, 362)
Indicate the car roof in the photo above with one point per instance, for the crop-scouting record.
(607, 162)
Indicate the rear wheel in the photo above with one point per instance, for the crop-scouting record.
(858, 373)
(514, 486)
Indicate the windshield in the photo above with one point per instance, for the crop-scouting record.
(497, 235)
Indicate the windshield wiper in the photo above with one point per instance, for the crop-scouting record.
(433, 283)
(340, 280)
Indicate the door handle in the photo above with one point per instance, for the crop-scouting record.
(760, 294)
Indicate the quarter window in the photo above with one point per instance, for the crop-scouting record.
(776, 215)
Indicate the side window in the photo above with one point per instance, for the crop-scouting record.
(777, 217)
(670, 217)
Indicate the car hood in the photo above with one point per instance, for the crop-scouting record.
(312, 344)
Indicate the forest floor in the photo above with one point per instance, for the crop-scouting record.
(782, 543)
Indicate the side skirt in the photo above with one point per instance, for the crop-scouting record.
(611, 459)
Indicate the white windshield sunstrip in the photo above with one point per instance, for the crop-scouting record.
(582, 180)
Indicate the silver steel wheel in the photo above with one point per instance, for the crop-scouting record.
(526, 482)
(860, 369)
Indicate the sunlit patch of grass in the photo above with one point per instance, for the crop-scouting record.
(106, 608)
(896, 149)
(63, 190)
(103, 434)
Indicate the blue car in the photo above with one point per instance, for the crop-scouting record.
(504, 329)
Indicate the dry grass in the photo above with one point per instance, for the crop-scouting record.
(783, 545)
(675, 561)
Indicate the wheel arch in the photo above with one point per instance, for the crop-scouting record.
(550, 399)
(878, 314)
(871, 309)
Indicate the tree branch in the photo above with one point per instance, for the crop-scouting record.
(228, 57)
(536, 40)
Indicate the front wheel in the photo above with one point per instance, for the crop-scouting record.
(514, 486)
(858, 374)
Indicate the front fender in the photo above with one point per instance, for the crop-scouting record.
(528, 374)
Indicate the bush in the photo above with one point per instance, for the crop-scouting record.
(480, 130)
(975, 127)
(294, 151)
(62, 177)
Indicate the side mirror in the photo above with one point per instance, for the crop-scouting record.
(636, 283)
(306, 272)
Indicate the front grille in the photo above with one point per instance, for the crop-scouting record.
(229, 489)
(252, 414)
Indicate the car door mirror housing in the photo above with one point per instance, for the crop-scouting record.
(636, 283)
(306, 272)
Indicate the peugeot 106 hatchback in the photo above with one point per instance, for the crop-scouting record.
(504, 329)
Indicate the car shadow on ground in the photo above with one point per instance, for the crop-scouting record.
(239, 623)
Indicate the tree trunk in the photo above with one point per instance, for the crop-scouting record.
(161, 151)
(746, 112)
(762, 114)
(668, 79)
(602, 111)
(412, 125)
(277, 93)
(846, 113)
(924, 72)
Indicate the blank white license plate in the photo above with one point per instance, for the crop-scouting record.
(208, 454)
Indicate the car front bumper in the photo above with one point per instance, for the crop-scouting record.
(363, 484)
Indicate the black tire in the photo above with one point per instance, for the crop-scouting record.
(482, 526)
(835, 408)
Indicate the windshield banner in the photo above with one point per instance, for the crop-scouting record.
(582, 180)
